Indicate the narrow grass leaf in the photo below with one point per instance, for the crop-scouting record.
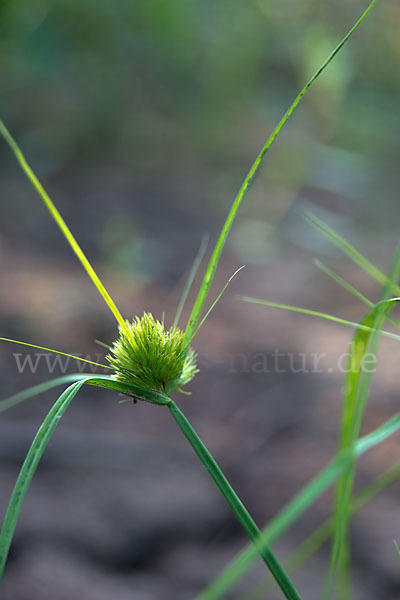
(357, 382)
(128, 389)
(320, 536)
(213, 263)
(44, 434)
(85, 360)
(189, 282)
(320, 315)
(60, 222)
(347, 286)
(287, 516)
(397, 548)
(342, 282)
(104, 381)
(351, 252)
(218, 298)
(35, 390)
(102, 344)
(137, 393)
(29, 467)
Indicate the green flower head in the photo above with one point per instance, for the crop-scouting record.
(147, 355)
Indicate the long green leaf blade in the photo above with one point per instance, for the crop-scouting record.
(355, 394)
(44, 434)
(104, 381)
(128, 389)
(347, 286)
(85, 360)
(35, 390)
(343, 283)
(321, 535)
(296, 507)
(213, 263)
(319, 315)
(29, 467)
(351, 252)
(61, 223)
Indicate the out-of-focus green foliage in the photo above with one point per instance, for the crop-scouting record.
(195, 87)
(134, 78)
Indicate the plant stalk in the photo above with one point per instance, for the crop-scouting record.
(236, 505)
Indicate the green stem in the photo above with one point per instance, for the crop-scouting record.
(235, 504)
(29, 467)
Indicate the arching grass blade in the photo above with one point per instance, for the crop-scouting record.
(28, 469)
(35, 390)
(104, 381)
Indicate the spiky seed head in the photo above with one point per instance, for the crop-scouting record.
(147, 355)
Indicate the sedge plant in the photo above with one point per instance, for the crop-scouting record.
(149, 361)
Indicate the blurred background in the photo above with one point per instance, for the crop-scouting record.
(141, 118)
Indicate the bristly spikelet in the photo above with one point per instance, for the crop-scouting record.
(147, 355)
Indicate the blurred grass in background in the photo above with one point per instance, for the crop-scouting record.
(194, 87)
